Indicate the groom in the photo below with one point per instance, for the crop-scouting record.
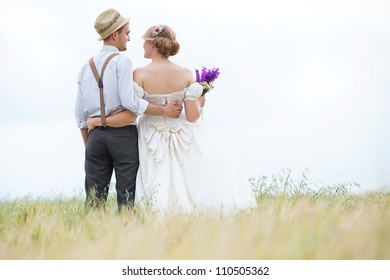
(110, 148)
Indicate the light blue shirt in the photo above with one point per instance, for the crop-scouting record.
(118, 88)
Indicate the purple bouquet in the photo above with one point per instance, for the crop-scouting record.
(206, 78)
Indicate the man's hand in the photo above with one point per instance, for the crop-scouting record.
(173, 110)
(93, 123)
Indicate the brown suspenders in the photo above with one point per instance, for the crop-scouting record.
(99, 80)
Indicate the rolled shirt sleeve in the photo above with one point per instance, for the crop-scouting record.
(81, 117)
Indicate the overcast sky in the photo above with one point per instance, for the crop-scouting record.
(303, 84)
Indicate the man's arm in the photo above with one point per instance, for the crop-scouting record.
(120, 119)
(84, 134)
(171, 110)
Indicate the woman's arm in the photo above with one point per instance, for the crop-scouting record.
(118, 120)
(192, 108)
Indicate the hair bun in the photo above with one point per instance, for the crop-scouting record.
(164, 39)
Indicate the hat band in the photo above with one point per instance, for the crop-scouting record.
(110, 24)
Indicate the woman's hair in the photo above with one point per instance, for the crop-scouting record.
(163, 38)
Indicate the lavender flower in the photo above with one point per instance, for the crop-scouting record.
(207, 78)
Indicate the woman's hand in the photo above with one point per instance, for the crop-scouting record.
(93, 123)
(202, 100)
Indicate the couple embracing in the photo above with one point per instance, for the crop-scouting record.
(143, 124)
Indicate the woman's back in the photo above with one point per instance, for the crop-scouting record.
(163, 77)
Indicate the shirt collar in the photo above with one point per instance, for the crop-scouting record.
(110, 48)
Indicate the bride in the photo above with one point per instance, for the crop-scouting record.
(182, 167)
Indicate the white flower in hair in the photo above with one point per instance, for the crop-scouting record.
(157, 30)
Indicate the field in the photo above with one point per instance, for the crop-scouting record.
(291, 221)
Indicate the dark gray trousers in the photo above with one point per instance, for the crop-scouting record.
(111, 149)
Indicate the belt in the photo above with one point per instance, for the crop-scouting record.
(105, 127)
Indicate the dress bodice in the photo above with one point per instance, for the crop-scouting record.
(191, 92)
(163, 99)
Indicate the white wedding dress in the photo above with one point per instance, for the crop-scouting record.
(182, 167)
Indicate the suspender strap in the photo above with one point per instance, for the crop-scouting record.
(99, 80)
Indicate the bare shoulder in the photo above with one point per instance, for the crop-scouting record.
(139, 75)
(184, 69)
(140, 70)
(187, 74)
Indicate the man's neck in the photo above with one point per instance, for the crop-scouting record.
(110, 46)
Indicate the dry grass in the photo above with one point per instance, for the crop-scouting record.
(327, 224)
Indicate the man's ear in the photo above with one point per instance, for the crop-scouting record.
(114, 35)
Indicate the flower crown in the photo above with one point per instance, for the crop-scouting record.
(157, 30)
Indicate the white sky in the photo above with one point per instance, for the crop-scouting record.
(303, 84)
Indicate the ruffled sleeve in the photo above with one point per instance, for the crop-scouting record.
(139, 90)
(193, 91)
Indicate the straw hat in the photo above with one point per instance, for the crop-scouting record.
(108, 22)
